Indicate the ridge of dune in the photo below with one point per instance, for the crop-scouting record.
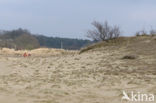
(36, 52)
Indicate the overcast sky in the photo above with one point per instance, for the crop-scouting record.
(72, 18)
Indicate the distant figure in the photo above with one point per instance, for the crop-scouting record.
(25, 55)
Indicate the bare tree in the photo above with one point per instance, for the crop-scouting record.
(143, 32)
(137, 33)
(103, 31)
(116, 31)
(152, 32)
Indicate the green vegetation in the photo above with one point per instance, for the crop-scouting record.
(65, 43)
(18, 39)
(23, 39)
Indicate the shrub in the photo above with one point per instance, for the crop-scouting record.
(103, 32)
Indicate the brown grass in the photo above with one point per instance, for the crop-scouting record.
(112, 42)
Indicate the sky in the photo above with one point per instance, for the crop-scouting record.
(72, 18)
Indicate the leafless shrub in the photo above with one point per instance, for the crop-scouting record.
(137, 33)
(116, 31)
(141, 33)
(152, 32)
(145, 33)
(103, 32)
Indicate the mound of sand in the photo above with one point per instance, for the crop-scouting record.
(98, 75)
(36, 52)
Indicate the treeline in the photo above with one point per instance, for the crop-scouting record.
(23, 39)
(65, 43)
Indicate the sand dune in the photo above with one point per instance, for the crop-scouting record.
(36, 52)
(96, 76)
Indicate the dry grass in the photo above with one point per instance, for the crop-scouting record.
(132, 42)
(112, 42)
(96, 76)
(36, 52)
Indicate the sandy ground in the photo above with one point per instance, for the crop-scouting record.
(97, 76)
